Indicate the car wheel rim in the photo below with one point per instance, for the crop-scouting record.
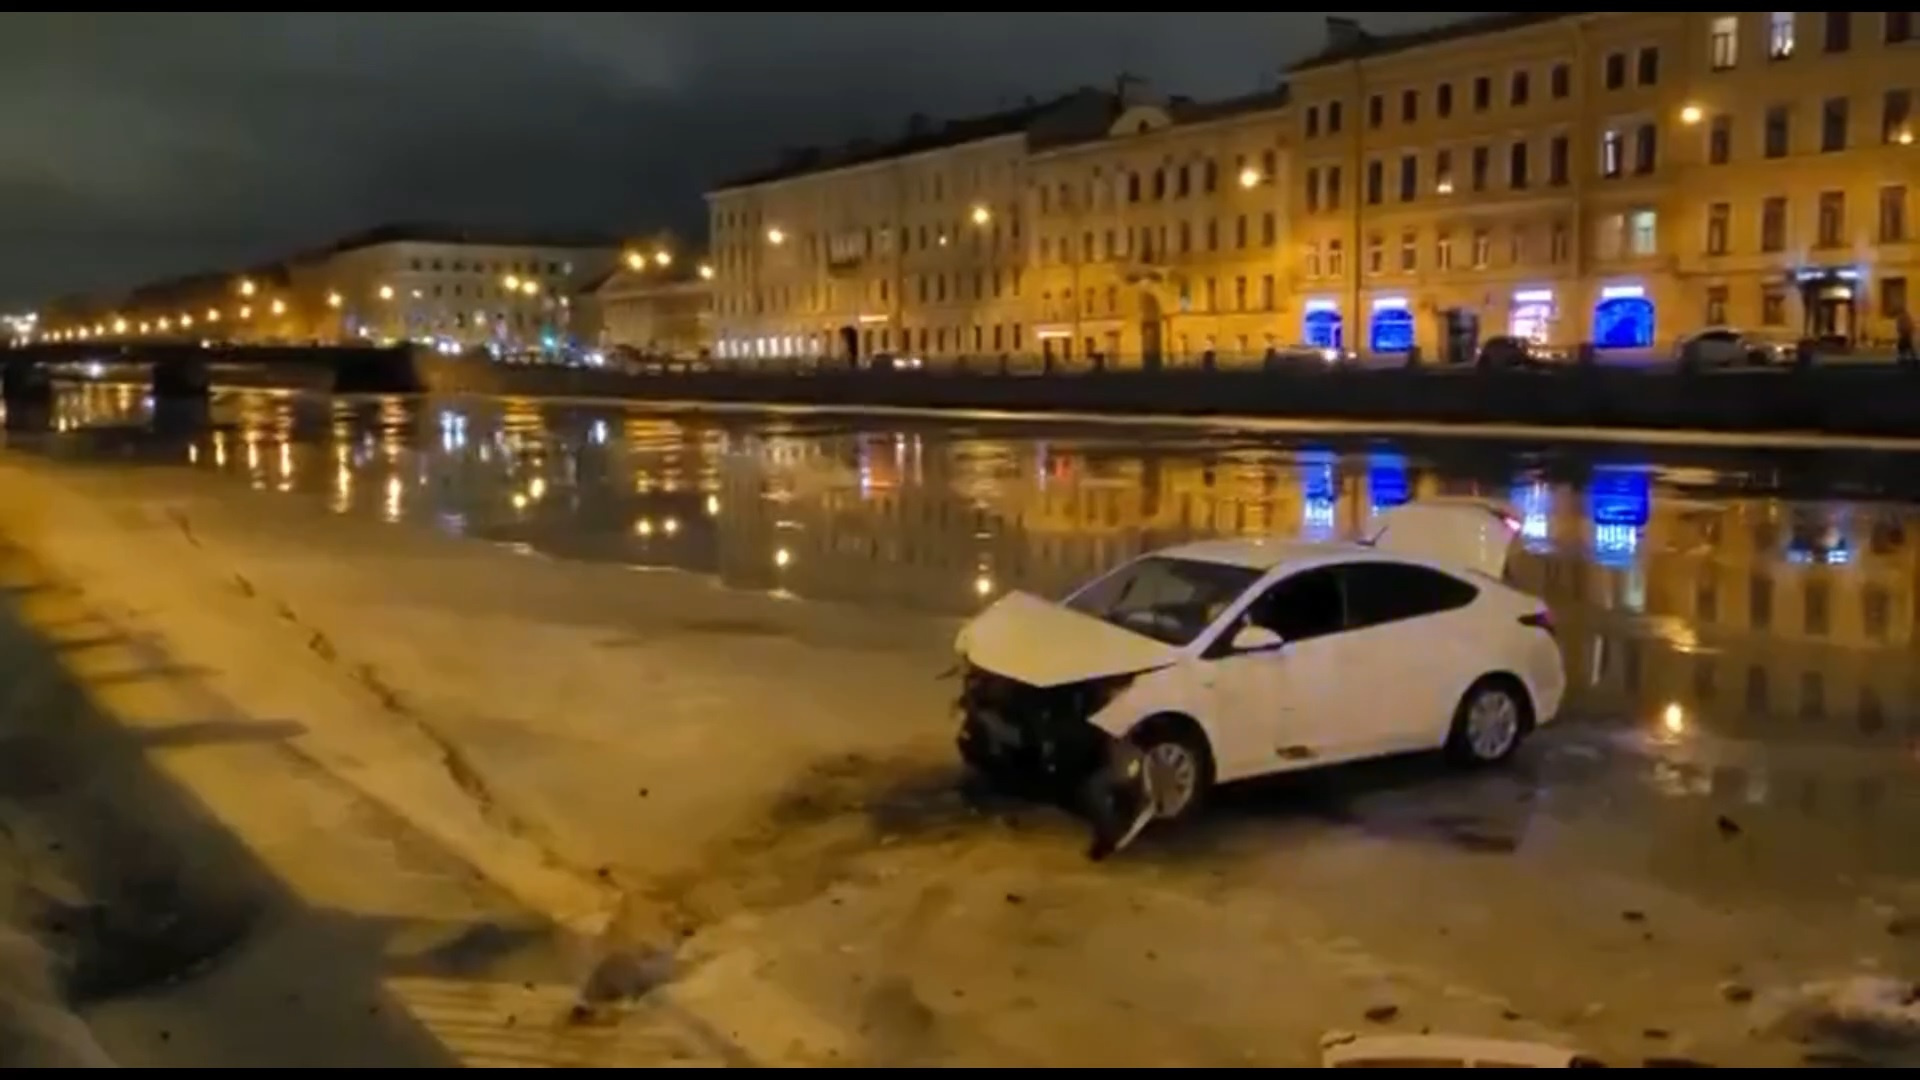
(1174, 776)
(1493, 723)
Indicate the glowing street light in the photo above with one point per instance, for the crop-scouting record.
(186, 319)
(386, 292)
(278, 307)
(706, 272)
(663, 258)
(1692, 114)
(213, 314)
(531, 288)
(246, 287)
(246, 311)
(635, 261)
(1249, 177)
(982, 215)
(776, 236)
(333, 300)
(119, 326)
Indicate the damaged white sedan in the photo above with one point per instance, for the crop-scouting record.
(1226, 660)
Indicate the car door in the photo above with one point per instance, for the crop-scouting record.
(1413, 646)
(1278, 708)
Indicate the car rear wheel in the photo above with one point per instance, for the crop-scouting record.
(1491, 721)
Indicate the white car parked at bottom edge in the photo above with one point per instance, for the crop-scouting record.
(1226, 660)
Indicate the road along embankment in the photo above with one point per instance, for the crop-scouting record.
(1859, 400)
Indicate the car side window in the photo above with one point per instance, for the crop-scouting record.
(1305, 606)
(1388, 592)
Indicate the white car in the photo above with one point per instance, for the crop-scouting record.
(1226, 660)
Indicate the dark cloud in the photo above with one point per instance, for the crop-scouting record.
(146, 144)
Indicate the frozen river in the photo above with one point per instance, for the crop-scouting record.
(1727, 818)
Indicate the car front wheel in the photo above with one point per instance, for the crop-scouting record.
(1489, 724)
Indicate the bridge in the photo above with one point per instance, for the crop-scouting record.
(184, 374)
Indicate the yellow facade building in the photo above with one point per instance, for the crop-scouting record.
(658, 302)
(1620, 178)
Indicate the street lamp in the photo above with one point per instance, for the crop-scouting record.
(386, 292)
(776, 236)
(333, 300)
(278, 307)
(1249, 177)
(663, 258)
(246, 287)
(119, 326)
(246, 311)
(1691, 115)
(982, 216)
(635, 262)
(706, 272)
(531, 288)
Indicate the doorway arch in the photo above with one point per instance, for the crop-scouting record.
(1325, 329)
(850, 345)
(1391, 331)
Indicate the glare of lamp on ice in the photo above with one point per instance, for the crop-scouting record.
(782, 557)
(537, 488)
(1674, 719)
(983, 585)
(643, 527)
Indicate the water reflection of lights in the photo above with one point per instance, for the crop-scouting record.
(537, 489)
(391, 508)
(983, 586)
(713, 506)
(782, 558)
(1673, 719)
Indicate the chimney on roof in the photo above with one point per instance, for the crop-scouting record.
(1133, 90)
(1344, 34)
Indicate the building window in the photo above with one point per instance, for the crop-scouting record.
(1376, 182)
(1517, 164)
(1839, 35)
(1833, 126)
(1409, 106)
(1313, 259)
(1559, 160)
(1780, 37)
(1646, 149)
(1482, 159)
(1612, 154)
(1443, 251)
(1893, 214)
(1773, 224)
(1482, 249)
(1409, 177)
(1723, 43)
(1334, 187)
(1443, 100)
(1334, 118)
(1559, 243)
(1647, 70)
(1616, 73)
(1313, 121)
(1313, 191)
(1893, 294)
(1716, 305)
(1376, 254)
(1643, 229)
(1773, 307)
(1376, 111)
(1518, 89)
(1899, 27)
(1896, 116)
(1720, 140)
(1832, 228)
(1560, 82)
(1409, 252)
(1443, 172)
(1779, 131)
(1482, 94)
(1336, 258)
(1719, 217)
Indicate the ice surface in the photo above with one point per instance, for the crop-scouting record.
(764, 789)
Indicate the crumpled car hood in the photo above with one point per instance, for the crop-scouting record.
(1044, 644)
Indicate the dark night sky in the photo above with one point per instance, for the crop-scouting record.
(143, 145)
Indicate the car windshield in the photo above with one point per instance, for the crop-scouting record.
(1166, 599)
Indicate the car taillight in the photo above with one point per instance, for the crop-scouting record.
(1539, 620)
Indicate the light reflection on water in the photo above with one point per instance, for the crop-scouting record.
(1747, 618)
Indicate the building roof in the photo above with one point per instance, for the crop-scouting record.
(432, 233)
(1348, 41)
(923, 134)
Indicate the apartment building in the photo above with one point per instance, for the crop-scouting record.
(1620, 178)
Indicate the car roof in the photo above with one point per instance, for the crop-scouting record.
(1259, 552)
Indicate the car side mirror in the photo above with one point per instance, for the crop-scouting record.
(1251, 638)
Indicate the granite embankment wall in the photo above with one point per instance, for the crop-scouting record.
(1853, 400)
